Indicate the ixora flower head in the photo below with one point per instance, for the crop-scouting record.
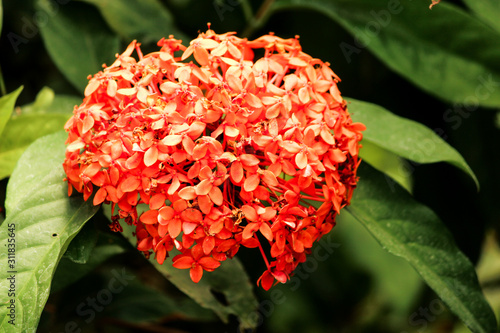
(226, 151)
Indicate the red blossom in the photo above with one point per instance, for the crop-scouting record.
(224, 151)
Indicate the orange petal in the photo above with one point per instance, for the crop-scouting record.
(192, 215)
(266, 280)
(215, 195)
(133, 161)
(174, 186)
(161, 254)
(149, 217)
(251, 183)
(172, 140)
(151, 156)
(180, 205)
(265, 230)
(290, 146)
(205, 203)
(183, 262)
(301, 160)
(250, 213)
(208, 245)
(100, 196)
(236, 172)
(201, 56)
(269, 178)
(196, 273)
(92, 169)
(273, 111)
(209, 263)
(249, 230)
(303, 95)
(166, 213)
(91, 87)
(88, 123)
(327, 137)
(204, 187)
(157, 201)
(269, 214)
(130, 184)
(188, 227)
(187, 193)
(174, 227)
(249, 159)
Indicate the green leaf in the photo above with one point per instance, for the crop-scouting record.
(46, 115)
(69, 272)
(77, 40)
(42, 102)
(412, 231)
(7, 104)
(487, 10)
(139, 303)
(44, 221)
(47, 101)
(389, 163)
(147, 21)
(394, 294)
(444, 51)
(230, 280)
(404, 137)
(21, 131)
(81, 247)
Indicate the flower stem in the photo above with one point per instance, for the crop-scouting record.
(264, 256)
(262, 14)
(247, 10)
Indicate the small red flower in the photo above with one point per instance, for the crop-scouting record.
(224, 151)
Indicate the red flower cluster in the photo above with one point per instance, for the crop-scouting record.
(226, 151)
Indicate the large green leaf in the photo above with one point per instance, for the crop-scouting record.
(41, 221)
(140, 303)
(444, 51)
(78, 41)
(69, 272)
(20, 132)
(394, 294)
(47, 101)
(404, 137)
(7, 104)
(389, 163)
(412, 231)
(80, 249)
(487, 10)
(46, 115)
(147, 20)
(229, 280)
